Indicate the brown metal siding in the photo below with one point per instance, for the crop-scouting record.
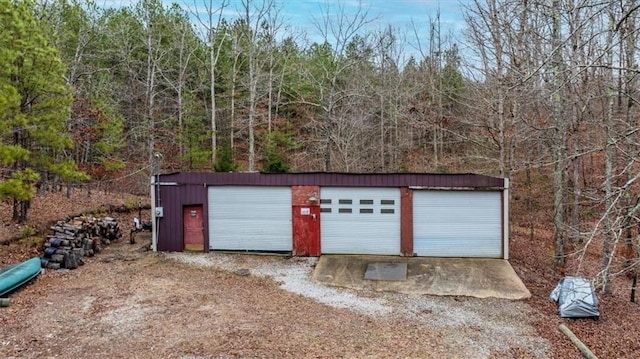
(173, 198)
(336, 179)
(182, 189)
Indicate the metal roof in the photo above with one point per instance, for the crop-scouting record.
(328, 179)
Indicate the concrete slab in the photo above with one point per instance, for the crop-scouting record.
(473, 277)
(386, 271)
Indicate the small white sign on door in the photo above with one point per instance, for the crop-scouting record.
(305, 211)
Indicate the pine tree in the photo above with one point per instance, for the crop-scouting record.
(34, 108)
(276, 144)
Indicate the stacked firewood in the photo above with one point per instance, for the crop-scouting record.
(78, 238)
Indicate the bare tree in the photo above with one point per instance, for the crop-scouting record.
(272, 27)
(235, 71)
(627, 28)
(211, 24)
(337, 29)
(502, 34)
(151, 15)
(177, 71)
(559, 132)
(609, 149)
(255, 16)
(390, 93)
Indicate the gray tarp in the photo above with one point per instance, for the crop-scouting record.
(576, 298)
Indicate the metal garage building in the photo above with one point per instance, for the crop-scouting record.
(309, 214)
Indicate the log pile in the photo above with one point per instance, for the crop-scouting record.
(76, 239)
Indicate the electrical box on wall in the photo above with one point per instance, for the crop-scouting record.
(159, 212)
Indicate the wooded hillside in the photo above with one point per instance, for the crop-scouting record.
(542, 92)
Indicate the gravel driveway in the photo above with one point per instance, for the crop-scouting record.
(478, 328)
(128, 303)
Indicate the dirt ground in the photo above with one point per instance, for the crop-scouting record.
(128, 302)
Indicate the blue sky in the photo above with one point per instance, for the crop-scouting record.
(403, 15)
(399, 13)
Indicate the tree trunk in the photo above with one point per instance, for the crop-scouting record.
(628, 31)
(212, 92)
(16, 210)
(270, 90)
(252, 114)
(329, 127)
(559, 136)
(609, 147)
(234, 79)
(530, 210)
(150, 90)
(24, 207)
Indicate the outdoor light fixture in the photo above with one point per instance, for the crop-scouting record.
(313, 198)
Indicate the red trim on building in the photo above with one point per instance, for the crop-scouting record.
(305, 195)
(306, 220)
(406, 221)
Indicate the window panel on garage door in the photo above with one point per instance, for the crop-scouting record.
(360, 220)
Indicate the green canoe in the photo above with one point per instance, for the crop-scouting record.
(15, 275)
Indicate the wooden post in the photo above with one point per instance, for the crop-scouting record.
(588, 354)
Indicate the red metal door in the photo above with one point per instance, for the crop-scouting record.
(193, 228)
(306, 230)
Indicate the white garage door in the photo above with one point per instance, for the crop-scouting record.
(250, 218)
(360, 220)
(457, 224)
